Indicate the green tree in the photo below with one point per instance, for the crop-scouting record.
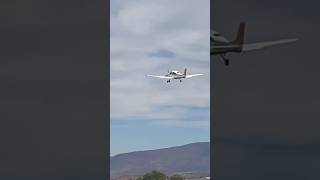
(154, 175)
(176, 177)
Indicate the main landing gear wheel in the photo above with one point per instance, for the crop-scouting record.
(225, 60)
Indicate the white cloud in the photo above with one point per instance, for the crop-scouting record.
(142, 27)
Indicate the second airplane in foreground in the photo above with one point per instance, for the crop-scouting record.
(219, 45)
(176, 75)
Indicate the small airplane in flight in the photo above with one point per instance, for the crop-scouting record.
(176, 75)
(219, 45)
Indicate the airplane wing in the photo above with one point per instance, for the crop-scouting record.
(193, 75)
(261, 45)
(161, 77)
(254, 46)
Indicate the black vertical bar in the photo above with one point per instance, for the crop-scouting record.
(54, 90)
(108, 91)
(212, 154)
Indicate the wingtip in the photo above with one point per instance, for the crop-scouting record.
(293, 39)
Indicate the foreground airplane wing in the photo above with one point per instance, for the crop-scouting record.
(261, 45)
(254, 46)
(193, 75)
(161, 77)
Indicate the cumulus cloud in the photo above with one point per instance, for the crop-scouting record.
(152, 37)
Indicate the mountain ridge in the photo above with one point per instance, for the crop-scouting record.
(194, 157)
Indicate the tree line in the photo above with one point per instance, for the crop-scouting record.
(157, 175)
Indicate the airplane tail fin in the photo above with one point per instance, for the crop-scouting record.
(185, 72)
(241, 34)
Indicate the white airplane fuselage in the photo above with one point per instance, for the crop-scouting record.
(175, 75)
(219, 40)
(219, 45)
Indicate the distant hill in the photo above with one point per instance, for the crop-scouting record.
(188, 158)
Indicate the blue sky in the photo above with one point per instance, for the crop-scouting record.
(152, 37)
